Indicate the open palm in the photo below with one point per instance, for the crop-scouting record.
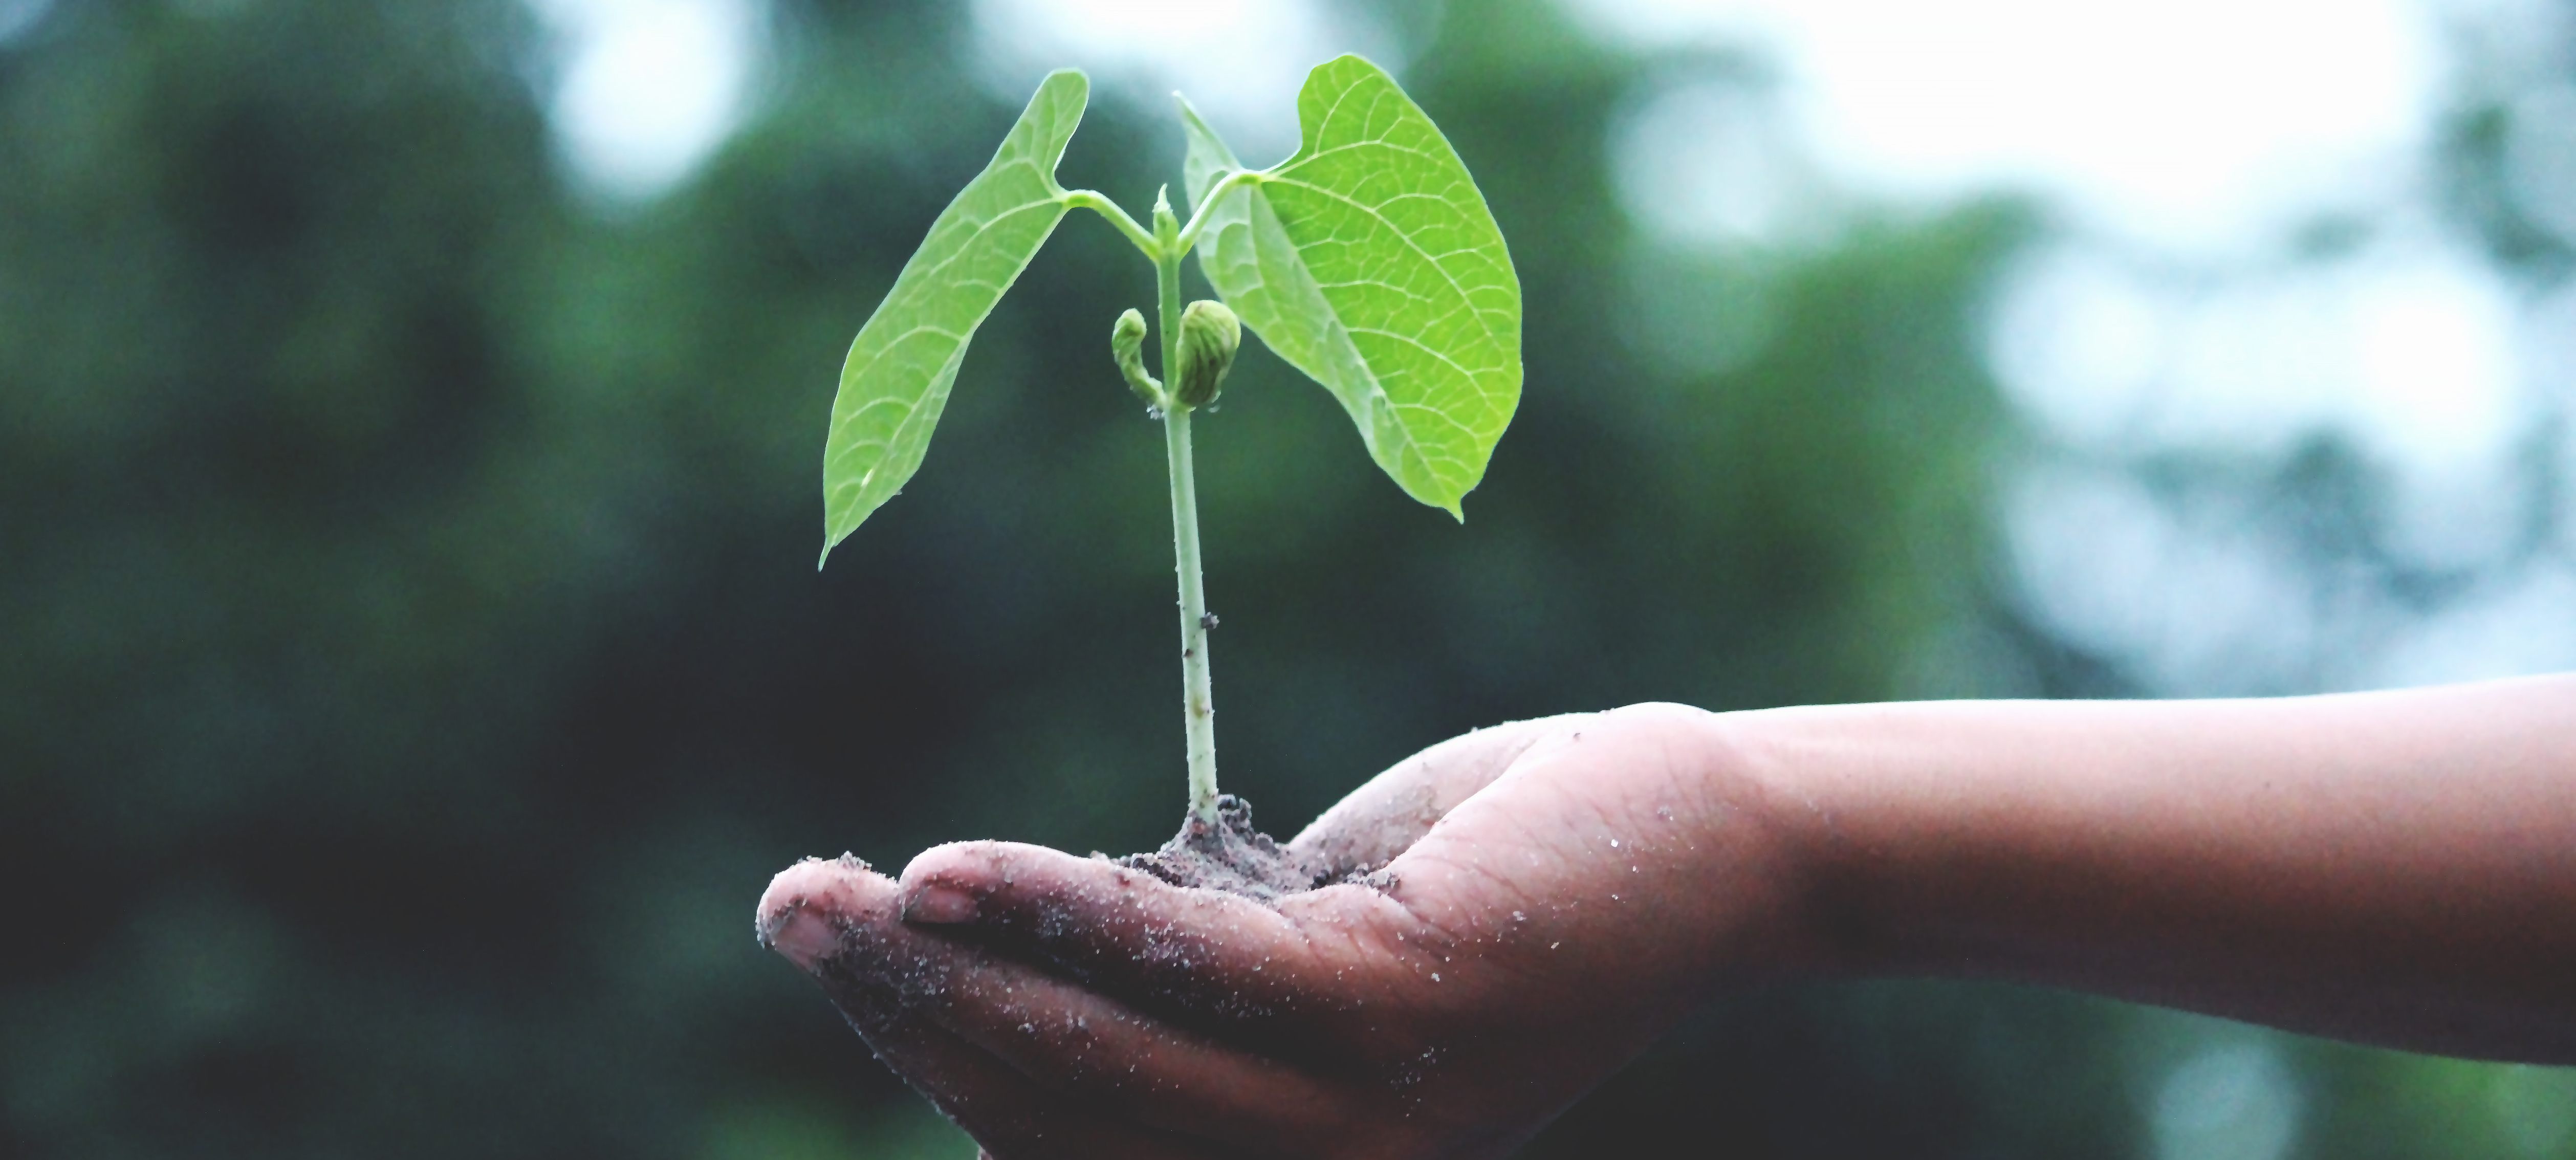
(1535, 903)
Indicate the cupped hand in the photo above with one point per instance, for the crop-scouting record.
(1533, 904)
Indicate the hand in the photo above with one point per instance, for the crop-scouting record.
(1549, 897)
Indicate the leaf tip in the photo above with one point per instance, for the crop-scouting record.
(1346, 59)
(1073, 78)
(1198, 126)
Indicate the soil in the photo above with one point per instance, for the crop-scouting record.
(1234, 857)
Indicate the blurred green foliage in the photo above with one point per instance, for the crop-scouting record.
(412, 663)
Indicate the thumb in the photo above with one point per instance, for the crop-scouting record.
(1386, 816)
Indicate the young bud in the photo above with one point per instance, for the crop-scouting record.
(1209, 336)
(1127, 344)
(1167, 228)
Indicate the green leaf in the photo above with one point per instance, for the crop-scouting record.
(900, 368)
(1370, 262)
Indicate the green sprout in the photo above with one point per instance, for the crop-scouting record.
(1368, 260)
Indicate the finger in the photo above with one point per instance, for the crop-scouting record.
(1158, 947)
(1386, 816)
(841, 924)
(1142, 1069)
(1011, 1116)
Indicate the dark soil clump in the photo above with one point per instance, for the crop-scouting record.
(1230, 856)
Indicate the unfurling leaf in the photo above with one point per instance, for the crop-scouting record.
(1127, 346)
(905, 359)
(1209, 335)
(1369, 261)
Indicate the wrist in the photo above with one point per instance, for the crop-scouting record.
(1770, 899)
(1801, 788)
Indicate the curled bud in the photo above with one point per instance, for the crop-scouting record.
(1127, 344)
(1209, 336)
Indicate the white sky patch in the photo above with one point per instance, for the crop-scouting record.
(2408, 347)
(2190, 124)
(17, 17)
(2469, 518)
(2230, 1102)
(1239, 61)
(1710, 161)
(2550, 346)
(2540, 158)
(2205, 604)
(2412, 349)
(649, 88)
(2202, 601)
(2521, 626)
(2552, 355)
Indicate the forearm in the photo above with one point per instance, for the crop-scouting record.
(2396, 868)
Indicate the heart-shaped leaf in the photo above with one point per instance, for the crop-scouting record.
(896, 380)
(1369, 261)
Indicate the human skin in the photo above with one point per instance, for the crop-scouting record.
(2392, 868)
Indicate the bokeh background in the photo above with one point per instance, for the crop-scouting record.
(412, 663)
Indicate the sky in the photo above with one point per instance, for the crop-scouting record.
(2176, 122)
(2187, 150)
(647, 89)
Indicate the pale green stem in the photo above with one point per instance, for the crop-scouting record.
(1199, 216)
(1198, 695)
(1198, 691)
(1166, 245)
(1100, 204)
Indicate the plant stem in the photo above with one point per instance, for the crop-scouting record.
(1197, 699)
(1200, 215)
(1198, 704)
(1107, 209)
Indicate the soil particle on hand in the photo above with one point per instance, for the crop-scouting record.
(1234, 857)
(1230, 856)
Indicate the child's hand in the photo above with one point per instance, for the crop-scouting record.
(1554, 894)
(2394, 868)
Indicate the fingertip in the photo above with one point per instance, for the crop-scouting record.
(943, 885)
(809, 908)
(1046, 890)
(958, 865)
(961, 881)
(805, 938)
(936, 905)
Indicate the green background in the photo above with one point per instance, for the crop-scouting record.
(412, 664)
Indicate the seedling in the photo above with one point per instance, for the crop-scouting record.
(1368, 260)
